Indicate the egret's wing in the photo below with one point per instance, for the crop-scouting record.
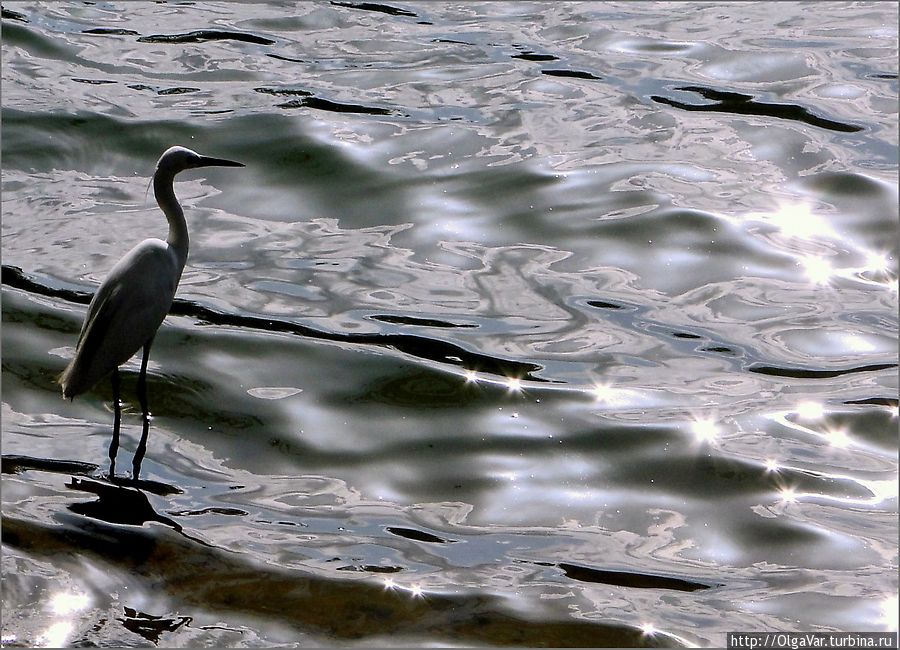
(99, 302)
(125, 312)
(95, 327)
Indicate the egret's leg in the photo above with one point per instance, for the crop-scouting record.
(145, 412)
(117, 421)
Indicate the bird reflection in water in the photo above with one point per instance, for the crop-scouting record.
(133, 301)
(120, 504)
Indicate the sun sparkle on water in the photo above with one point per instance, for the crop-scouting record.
(798, 220)
(647, 629)
(889, 614)
(810, 410)
(603, 392)
(817, 269)
(788, 495)
(705, 431)
(878, 262)
(64, 603)
(57, 635)
(837, 437)
(856, 343)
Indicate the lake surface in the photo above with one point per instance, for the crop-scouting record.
(526, 324)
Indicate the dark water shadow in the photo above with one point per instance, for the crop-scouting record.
(811, 373)
(305, 99)
(573, 74)
(341, 609)
(376, 7)
(9, 14)
(419, 322)
(201, 35)
(740, 104)
(417, 535)
(110, 31)
(630, 578)
(17, 464)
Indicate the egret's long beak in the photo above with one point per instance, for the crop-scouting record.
(206, 161)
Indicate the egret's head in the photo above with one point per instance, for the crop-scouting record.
(177, 159)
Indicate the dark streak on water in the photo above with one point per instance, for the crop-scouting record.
(808, 373)
(574, 74)
(625, 579)
(740, 104)
(110, 31)
(9, 14)
(200, 35)
(379, 8)
(418, 322)
(417, 535)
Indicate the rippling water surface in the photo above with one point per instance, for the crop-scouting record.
(536, 324)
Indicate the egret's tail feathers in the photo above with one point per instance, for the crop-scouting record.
(67, 382)
(63, 380)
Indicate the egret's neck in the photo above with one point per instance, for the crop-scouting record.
(165, 195)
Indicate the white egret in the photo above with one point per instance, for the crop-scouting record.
(133, 301)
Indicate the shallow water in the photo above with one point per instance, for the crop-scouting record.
(525, 324)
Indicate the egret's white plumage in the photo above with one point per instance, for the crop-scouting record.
(124, 314)
(135, 297)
